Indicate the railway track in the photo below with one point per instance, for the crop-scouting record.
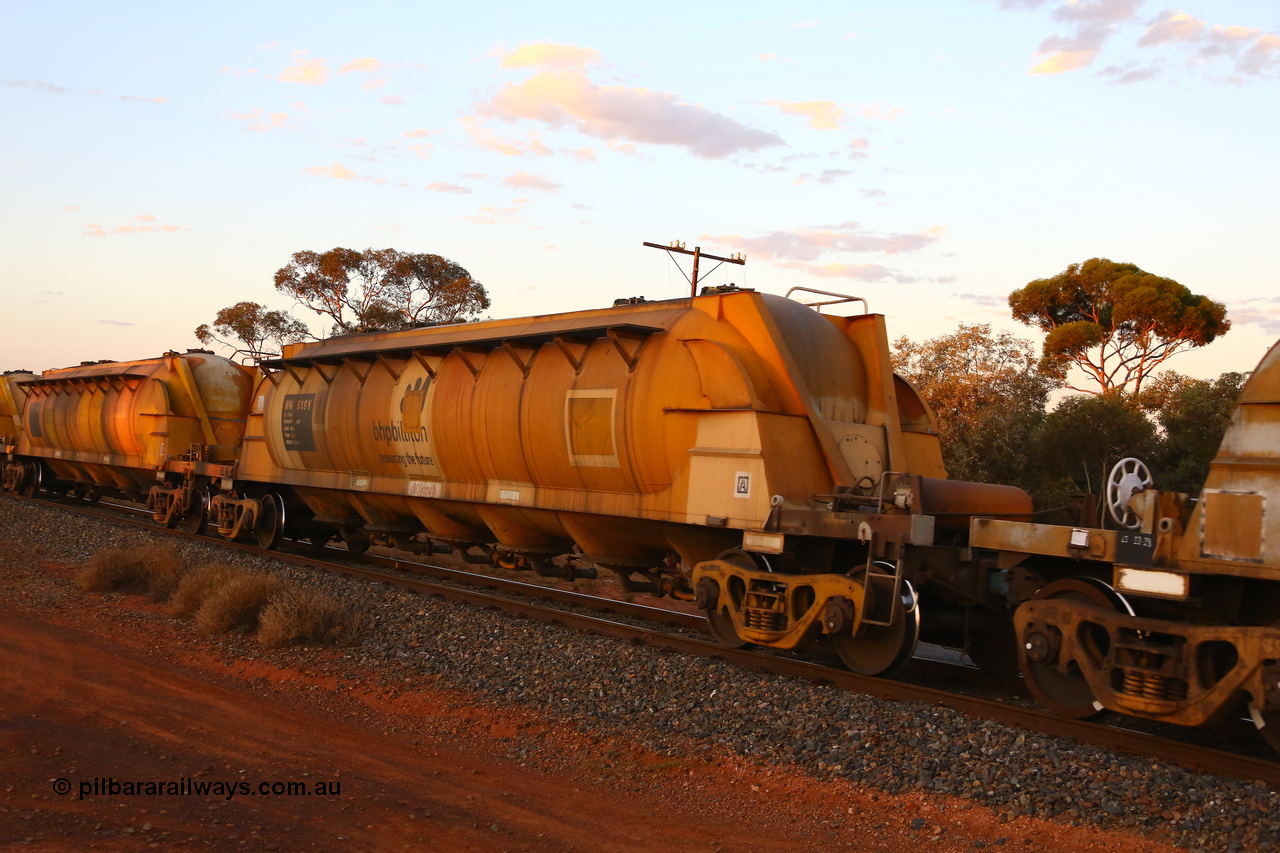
(513, 597)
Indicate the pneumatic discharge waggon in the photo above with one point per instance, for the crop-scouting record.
(740, 450)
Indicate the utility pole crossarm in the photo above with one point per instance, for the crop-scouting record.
(677, 247)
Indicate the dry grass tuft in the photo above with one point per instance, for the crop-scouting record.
(200, 583)
(110, 568)
(162, 568)
(235, 605)
(299, 615)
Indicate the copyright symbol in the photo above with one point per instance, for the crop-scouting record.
(61, 786)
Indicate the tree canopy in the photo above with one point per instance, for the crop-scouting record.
(1083, 437)
(381, 289)
(1115, 322)
(253, 326)
(1194, 415)
(988, 395)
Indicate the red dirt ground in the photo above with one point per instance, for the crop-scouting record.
(112, 689)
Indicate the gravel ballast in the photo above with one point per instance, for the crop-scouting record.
(683, 706)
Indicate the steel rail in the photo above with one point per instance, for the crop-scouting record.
(921, 667)
(662, 615)
(1191, 756)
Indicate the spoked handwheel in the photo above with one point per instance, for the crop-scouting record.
(1128, 477)
(270, 529)
(883, 649)
(1068, 694)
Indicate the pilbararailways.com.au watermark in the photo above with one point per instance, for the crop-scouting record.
(187, 786)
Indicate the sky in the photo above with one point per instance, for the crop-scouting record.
(160, 161)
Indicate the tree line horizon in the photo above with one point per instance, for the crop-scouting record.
(1114, 322)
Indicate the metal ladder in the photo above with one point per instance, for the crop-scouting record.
(889, 584)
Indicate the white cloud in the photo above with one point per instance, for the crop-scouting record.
(363, 64)
(308, 72)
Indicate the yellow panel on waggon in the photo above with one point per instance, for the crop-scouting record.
(120, 426)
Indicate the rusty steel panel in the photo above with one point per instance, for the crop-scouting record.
(1050, 540)
(1232, 525)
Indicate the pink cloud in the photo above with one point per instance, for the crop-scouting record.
(810, 244)
(442, 187)
(308, 72)
(563, 96)
(1094, 22)
(1253, 52)
(545, 54)
(822, 115)
(523, 180)
(363, 64)
(259, 120)
(484, 137)
(95, 229)
(337, 170)
(1172, 25)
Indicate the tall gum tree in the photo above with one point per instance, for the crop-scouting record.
(381, 288)
(1116, 322)
(988, 395)
(259, 330)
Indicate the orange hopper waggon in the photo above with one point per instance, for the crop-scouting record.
(737, 449)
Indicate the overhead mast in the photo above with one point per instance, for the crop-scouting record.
(677, 247)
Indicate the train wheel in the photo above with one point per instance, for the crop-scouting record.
(1068, 694)
(357, 540)
(1268, 723)
(721, 625)
(31, 481)
(270, 528)
(717, 613)
(884, 649)
(196, 520)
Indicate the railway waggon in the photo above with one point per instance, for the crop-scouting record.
(740, 450)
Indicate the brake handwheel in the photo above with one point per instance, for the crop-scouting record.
(1128, 477)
